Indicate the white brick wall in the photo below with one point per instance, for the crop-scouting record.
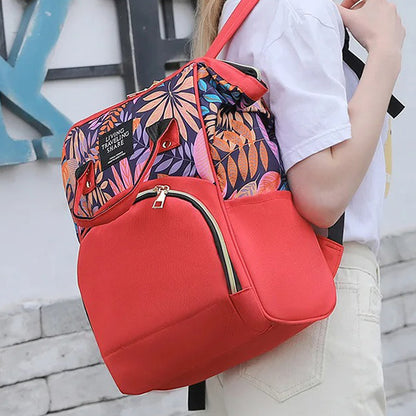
(23, 399)
(84, 385)
(47, 356)
(19, 325)
(398, 322)
(50, 363)
(63, 318)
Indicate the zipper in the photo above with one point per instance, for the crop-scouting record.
(156, 83)
(133, 94)
(162, 191)
(243, 68)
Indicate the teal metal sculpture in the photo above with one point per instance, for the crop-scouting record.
(21, 78)
(24, 71)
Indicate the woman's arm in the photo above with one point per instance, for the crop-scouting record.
(324, 183)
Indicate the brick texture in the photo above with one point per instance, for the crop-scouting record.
(30, 398)
(155, 403)
(398, 279)
(392, 314)
(85, 385)
(399, 345)
(404, 405)
(64, 318)
(19, 326)
(412, 372)
(396, 379)
(47, 356)
(409, 302)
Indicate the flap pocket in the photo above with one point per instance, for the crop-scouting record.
(105, 186)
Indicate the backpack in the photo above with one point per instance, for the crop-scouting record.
(193, 257)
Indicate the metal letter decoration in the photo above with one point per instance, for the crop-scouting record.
(146, 57)
(21, 77)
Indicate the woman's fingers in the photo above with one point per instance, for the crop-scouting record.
(377, 25)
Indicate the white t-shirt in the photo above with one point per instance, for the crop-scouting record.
(297, 46)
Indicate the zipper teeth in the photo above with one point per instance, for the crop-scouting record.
(230, 272)
(222, 241)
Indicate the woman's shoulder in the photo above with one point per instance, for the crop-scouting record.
(277, 17)
(326, 11)
(284, 13)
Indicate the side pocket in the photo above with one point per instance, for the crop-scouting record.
(271, 234)
(292, 367)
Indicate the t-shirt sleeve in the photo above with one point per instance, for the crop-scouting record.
(307, 94)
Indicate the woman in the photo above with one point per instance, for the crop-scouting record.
(331, 128)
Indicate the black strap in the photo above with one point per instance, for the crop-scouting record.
(395, 106)
(196, 396)
(336, 232)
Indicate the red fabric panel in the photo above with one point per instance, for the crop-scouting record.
(161, 358)
(332, 252)
(282, 253)
(148, 254)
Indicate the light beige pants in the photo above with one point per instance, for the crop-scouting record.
(332, 368)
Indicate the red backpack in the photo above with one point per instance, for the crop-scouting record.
(193, 257)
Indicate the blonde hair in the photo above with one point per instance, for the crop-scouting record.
(208, 14)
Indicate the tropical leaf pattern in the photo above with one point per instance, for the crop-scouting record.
(174, 97)
(235, 134)
(241, 136)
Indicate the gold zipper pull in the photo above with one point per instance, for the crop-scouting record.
(162, 191)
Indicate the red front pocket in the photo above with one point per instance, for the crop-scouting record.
(152, 266)
(287, 266)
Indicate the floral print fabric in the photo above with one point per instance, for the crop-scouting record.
(240, 134)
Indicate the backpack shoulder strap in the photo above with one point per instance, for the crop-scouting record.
(236, 19)
(357, 65)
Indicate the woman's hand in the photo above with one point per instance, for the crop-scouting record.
(374, 23)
